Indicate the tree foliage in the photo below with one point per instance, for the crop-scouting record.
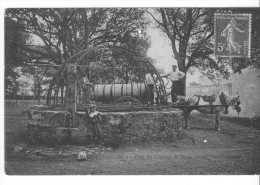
(39, 79)
(14, 38)
(11, 82)
(63, 32)
(13, 55)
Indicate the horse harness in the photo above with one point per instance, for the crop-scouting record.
(210, 99)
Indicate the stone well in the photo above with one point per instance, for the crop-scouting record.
(118, 127)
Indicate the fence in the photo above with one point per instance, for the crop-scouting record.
(24, 102)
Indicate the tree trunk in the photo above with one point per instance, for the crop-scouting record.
(39, 100)
(16, 99)
(181, 65)
(183, 87)
(66, 94)
(57, 96)
(62, 89)
(9, 95)
(54, 97)
(39, 95)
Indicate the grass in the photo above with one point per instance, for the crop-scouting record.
(233, 150)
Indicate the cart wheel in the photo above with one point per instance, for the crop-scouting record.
(125, 100)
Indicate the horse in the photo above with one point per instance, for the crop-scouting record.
(226, 101)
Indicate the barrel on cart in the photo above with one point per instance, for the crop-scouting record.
(109, 93)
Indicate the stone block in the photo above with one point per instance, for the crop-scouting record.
(17, 149)
(82, 156)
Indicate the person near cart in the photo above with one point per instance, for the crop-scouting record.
(175, 77)
(150, 84)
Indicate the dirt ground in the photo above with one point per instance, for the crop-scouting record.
(200, 150)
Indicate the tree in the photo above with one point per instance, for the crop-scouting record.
(11, 83)
(13, 56)
(190, 31)
(14, 38)
(64, 32)
(24, 88)
(38, 77)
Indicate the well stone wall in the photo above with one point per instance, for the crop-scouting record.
(117, 127)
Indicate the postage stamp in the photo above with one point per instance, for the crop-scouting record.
(232, 35)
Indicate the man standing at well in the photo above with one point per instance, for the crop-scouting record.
(175, 76)
(150, 83)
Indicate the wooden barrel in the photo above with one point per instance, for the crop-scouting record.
(110, 92)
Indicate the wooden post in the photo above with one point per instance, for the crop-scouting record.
(71, 95)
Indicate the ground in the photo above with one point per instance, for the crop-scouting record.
(200, 150)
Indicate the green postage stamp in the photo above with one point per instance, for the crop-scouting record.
(232, 35)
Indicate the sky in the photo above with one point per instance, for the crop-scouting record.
(160, 50)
